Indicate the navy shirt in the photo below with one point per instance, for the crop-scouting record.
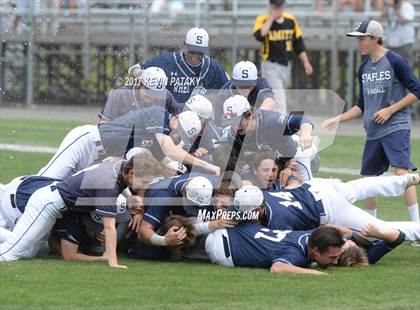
(382, 84)
(185, 81)
(135, 129)
(256, 97)
(160, 197)
(252, 245)
(294, 209)
(127, 99)
(94, 188)
(273, 133)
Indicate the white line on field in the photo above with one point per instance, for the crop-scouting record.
(27, 148)
(52, 150)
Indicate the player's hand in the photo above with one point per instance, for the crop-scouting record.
(135, 71)
(200, 152)
(135, 222)
(135, 204)
(221, 223)
(215, 170)
(284, 176)
(382, 115)
(118, 266)
(330, 123)
(101, 237)
(308, 69)
(305, 141)
(175, 236)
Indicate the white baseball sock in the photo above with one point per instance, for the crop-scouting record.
(413, 211)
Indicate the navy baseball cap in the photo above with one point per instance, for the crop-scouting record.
(368, 28)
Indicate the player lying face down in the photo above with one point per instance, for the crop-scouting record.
(251, 245)
(326, 201)
(95, 188)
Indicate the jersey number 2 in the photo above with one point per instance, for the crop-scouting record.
(279, 234)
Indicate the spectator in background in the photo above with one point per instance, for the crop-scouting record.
(280, 35)
(356, 5)
(401, 32)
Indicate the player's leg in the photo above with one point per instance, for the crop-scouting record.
(8, 210)
(274, 76)
(360, 189)
(397, 148)
(36, 222)
(345, 214)
(374, 163)
(76, 152)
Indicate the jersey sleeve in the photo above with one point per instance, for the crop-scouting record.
(220, 76)
(155, 120)
(293, 123)
(105, 203)
(361, 100)
(404, 74)
(264, 92)
(292, 257)
(259, 23)
(298, 44)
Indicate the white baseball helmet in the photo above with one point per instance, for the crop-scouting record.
(200, 105)
(154, 79)
(248, 198)
(197, 40)
(136, 150)
(233, 109)
(189, 126)
(245, 74)
(199, 190)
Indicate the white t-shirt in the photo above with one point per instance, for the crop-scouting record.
(400, 34)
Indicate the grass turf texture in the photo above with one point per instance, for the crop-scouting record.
(50, 283)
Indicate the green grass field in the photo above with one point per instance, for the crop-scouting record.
(50, 283)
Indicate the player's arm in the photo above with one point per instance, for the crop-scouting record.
(331, 123)
(69, 251)
(178, 154)
(111, 242)
(173, 236)
(279, 267)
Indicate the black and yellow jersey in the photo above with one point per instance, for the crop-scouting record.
(282, 39)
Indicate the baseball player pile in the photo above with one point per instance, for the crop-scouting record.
(187, 162)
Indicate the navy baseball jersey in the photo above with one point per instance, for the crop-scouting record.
(159, 198)
(294, 209)
(256, 97)
(29, 186)
(135, 129)
(94, 188)
(252, 245)
(128, 99)
(273, 133)
(382, 84)
(184, 80)
(210, 139)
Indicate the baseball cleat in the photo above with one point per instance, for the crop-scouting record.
(412, 179)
